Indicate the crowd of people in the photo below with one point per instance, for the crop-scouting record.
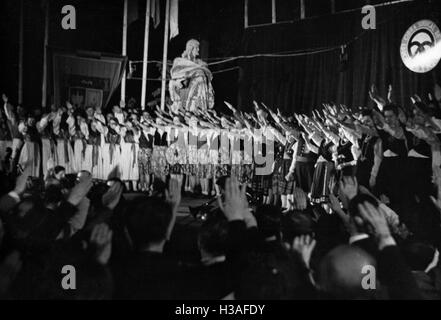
(333, 192)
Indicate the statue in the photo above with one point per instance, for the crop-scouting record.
(190, 85)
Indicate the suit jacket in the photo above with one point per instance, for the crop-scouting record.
(396, 275)
(148, 276)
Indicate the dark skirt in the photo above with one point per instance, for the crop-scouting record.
(261, 184)
(144, 163)
(419, 178)
(303, 174)
(280, 185)
(320, 188)
(242, 172)
(363, 174)
(392, 180)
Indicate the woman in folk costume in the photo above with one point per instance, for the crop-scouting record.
(191, 169)
(145, 151)
(324, 170)
(283, 183)
(9, 122)
(48, 143)
(71, 131)
(369, 161)
(323, 148)
(213, 145)
(30, 153)
(129, 155)
(286, 184)
(277, 175)
(160, 167)
(224, 167)
(263, 155)
(111, 151)
(242, 147)
(79, 138)
(247, 157)
(92, 160)
(61, 134)
(177, 150)
(204, 167)
(237, 147)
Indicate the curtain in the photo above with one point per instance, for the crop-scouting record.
(299, 84)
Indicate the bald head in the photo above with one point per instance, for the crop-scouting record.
(340, 273)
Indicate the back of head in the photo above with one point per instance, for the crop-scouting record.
(340, 274)
(24, 222)
(418, 255)
(213, 236)
(148, 220)
(275, 275)
(295, 224)
(268, 219)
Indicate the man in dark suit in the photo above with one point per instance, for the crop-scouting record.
(211, 277)
(149, 273)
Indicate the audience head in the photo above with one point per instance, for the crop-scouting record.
(341, 273)
(148, 220)
(213, 237)
(295, 224)
(269, 221)
(420, 256)
(59, 172)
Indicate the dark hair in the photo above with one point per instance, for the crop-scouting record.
(53, 194)
(275, 275)
(213, 235)
(148, 220)
(58, 169)
(391, 107)
(366, 113)
(418, 255)
(269, 220)
(23, 224)
(295, 224)
(360, 199)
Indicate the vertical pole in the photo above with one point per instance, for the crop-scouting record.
(20, 54)
(124, 51)
(245, 18)
(146, 51)
(46, 43)
(164, 56)
(332, 6)
(302, 9)
(273, 11)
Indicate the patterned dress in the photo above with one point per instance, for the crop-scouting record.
(145, 156)
(160, 167)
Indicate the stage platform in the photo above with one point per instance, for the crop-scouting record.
(183, 208)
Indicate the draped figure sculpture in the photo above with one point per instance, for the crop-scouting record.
(190, 85)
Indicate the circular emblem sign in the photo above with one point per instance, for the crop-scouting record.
(421, 46)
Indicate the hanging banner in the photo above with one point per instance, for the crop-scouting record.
(85, 81)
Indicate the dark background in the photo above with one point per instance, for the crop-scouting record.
(299, 83)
